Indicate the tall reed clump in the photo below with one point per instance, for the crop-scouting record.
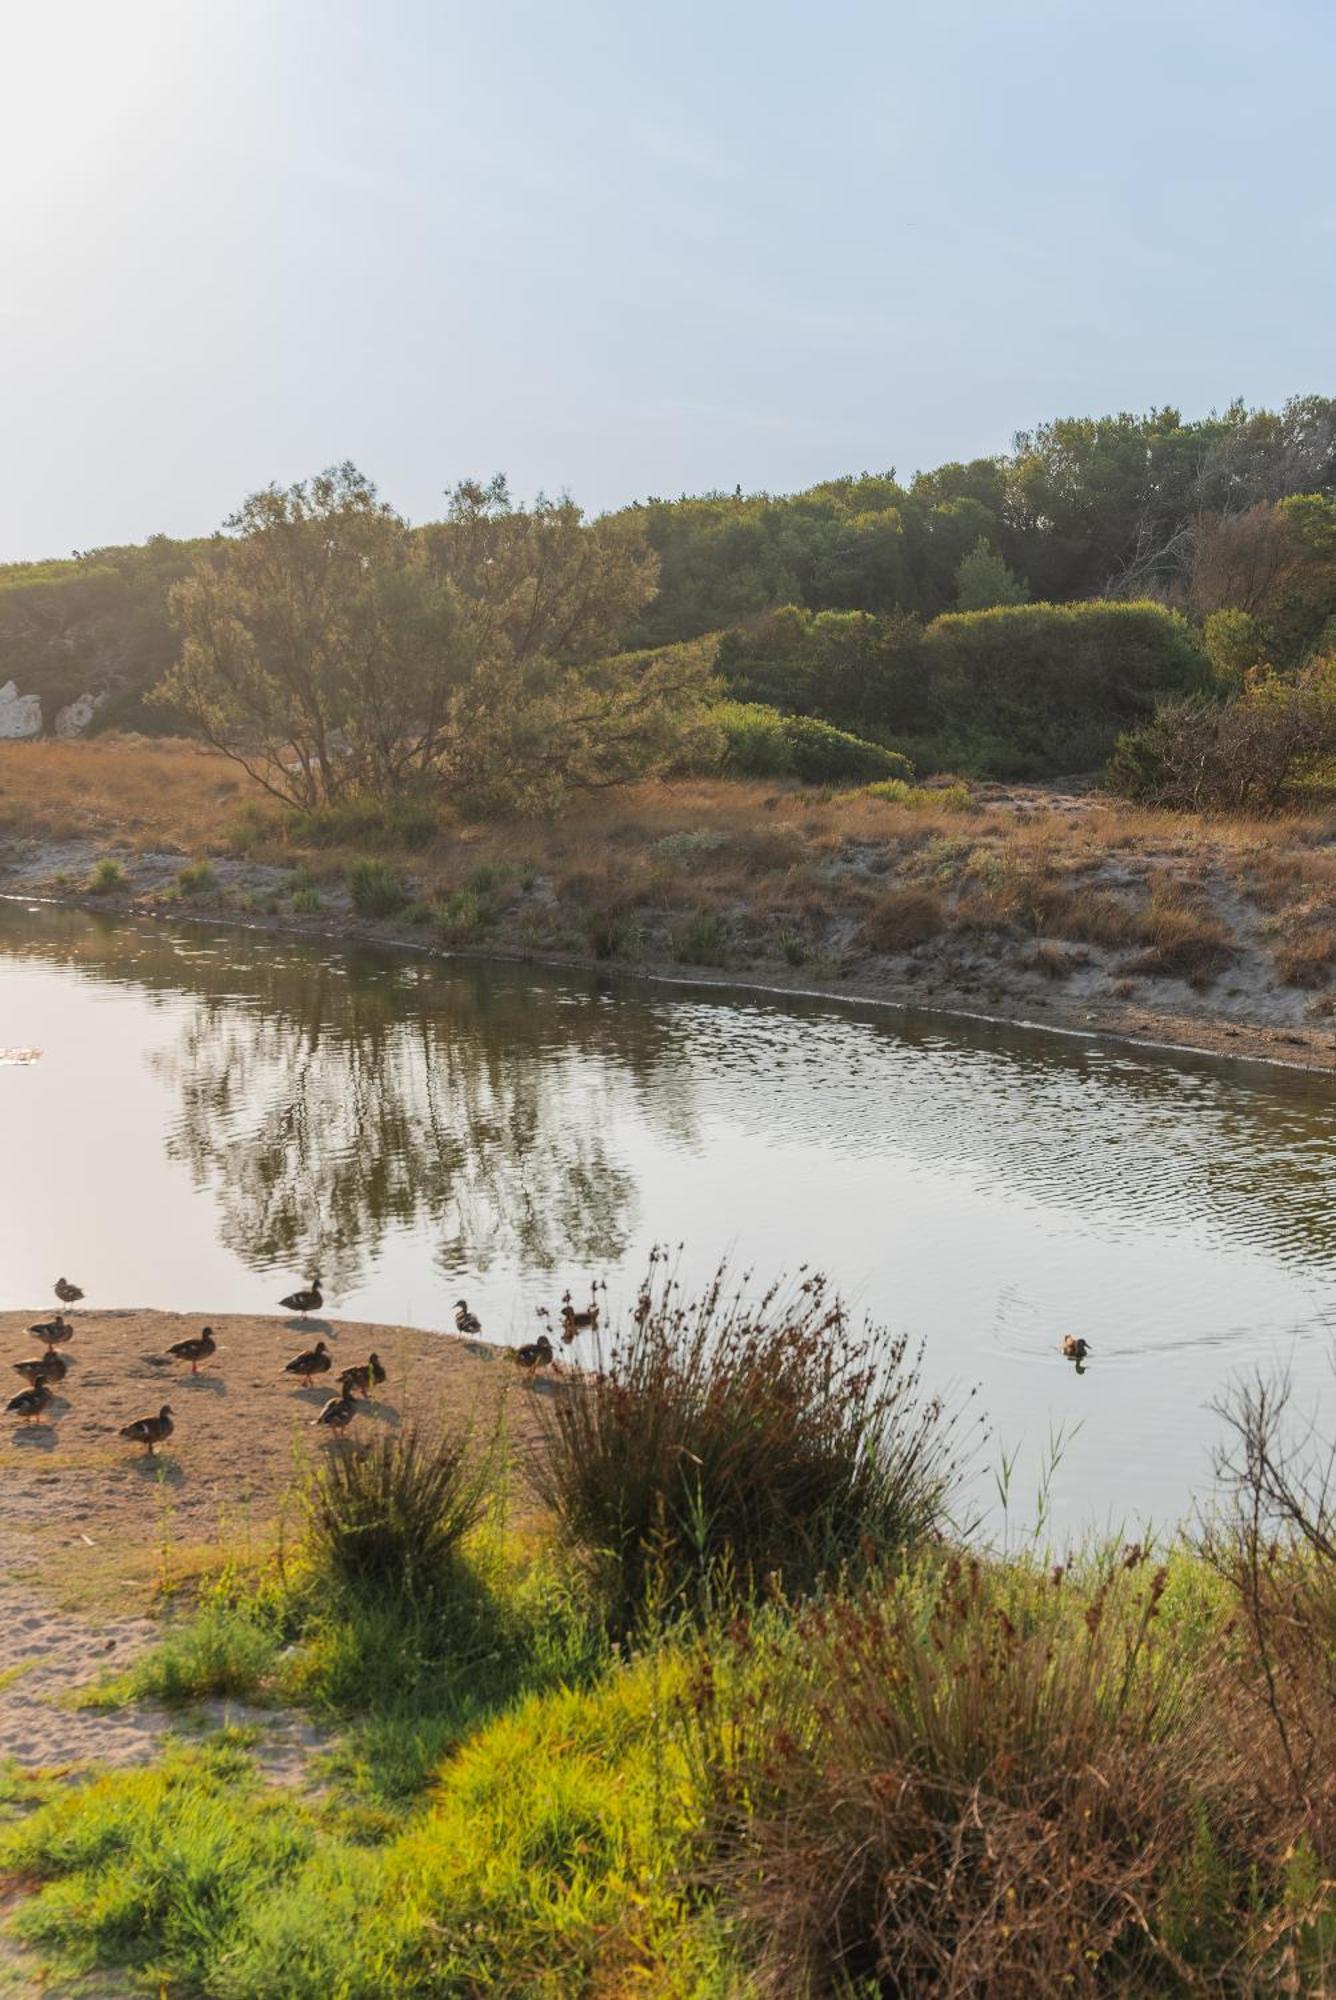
(976, 1778)
(745, 1439)
(388, 1519)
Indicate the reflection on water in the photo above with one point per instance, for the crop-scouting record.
(212, 1113)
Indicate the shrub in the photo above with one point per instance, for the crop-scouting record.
(759, 742)
(903, 919)
(461, 915)
(107, 875)
(971, 1779)
(389, 1517)
(919, 798)
(1243, 755)
(385, 823)
(754, 739)
(307, 901)
(700, 940)
(376, 889)
(748, 1437)
(1182, 943)
(1307, 959)
(199, 879)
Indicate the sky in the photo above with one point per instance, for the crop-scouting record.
(620, 250)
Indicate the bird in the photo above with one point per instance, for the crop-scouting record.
(644, 1307)
(364, 1376)
(315, 1361)
(55, 1332)
(29, 1403)
(466, 1321)
(68, 1294)
(42, 1368)
(309, 1301)
(337, 1414)
(578, 1322)
(150, 1431)
(1075, 1346)
(194, 1351)
(535, 1354)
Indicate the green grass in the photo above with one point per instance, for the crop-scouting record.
(199, 878)
(376, 888)
(107, 874)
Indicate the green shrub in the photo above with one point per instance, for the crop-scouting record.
(199, 879)
(376, 889)
(386, 823)
(1245, 755)
(699, 940)
(306, 901)
(822, 754)
(920, 798)
(389, 1517)
(754, 738)
(743, 1436)
(107, 875)
(461, 915)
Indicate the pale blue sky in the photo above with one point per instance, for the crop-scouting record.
(623, 249)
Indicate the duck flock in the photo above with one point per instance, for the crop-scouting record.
(41, 1371)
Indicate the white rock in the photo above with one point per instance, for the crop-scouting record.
(20, 714)
(75, 717)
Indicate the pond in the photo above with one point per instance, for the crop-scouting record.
(194, 1119)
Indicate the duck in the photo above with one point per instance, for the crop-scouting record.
(55, 1332)
(315, 1361)
(535, 1354)
(29, 1403)
(365, 1376)
(309, 1301)
(42, 1368)
(68, 1294)
(466, 1321)
(1075, 1346)
(337, 1414)
(578, 1322)
(194, 1351)
(150, 1431)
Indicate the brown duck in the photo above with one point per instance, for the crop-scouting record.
(337, 1414)
(150, 1431)
(315, 1361)
(535, 1354)
(55, 1332)
(29, 1403)
(48, 1367)
(365, 1376)
(309, 1301)
(68, 1294)
(466, 1321)
(196, 1350)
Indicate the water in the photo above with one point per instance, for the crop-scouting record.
(212, 1116)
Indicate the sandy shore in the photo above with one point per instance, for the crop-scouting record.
(94, 1529)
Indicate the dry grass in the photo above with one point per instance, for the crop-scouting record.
(148, 793)
(903, 919)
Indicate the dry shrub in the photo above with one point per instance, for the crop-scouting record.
(743, 1438)
(1053, 962)
(972, 1780)
(390, 1517)
(1182, 943)
(902, 919)
(1306, 960)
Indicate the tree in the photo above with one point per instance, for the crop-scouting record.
(320, 649)
(983, 580)
(331, 649)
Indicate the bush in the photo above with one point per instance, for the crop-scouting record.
(759, 742)
(389, 1517)
(376, 889)
(385, 823)
(1245, 755)
(107, 875)
(747, 1438)
(972, 1779)
(700, 940)
(903, 919)
(199, 879)
(920, 798)
(306, 901)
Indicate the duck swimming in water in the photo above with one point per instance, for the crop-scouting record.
(1075, 1346)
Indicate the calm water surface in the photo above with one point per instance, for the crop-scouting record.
(210, 1116)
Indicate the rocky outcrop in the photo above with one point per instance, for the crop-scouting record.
(20, 714)
(76, 716)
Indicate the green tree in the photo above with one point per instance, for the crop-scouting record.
(983, 580)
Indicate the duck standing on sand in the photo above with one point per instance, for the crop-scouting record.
(55, 1332)
(68, 1294)
(315, 1361)
(304, 1303)
(194, 1351)
(150, 1431)
(466, 1321)
(535, 1354)
(46, 1367)
(337, 1414)
(29, 1403)
(367, 1375)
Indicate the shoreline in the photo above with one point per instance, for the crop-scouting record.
(1128, 1026)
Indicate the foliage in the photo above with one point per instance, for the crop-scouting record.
(983, 580)
(902, 919)
(743, 1437)
(199, 878)
(376, 889)
(1244, 755)
(759, 742)
(107, 874)
(391, 1515)
(365, 822)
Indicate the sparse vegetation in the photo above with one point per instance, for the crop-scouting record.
(107, 875)
(376, 889)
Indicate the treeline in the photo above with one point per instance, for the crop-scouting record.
(1014, 616)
